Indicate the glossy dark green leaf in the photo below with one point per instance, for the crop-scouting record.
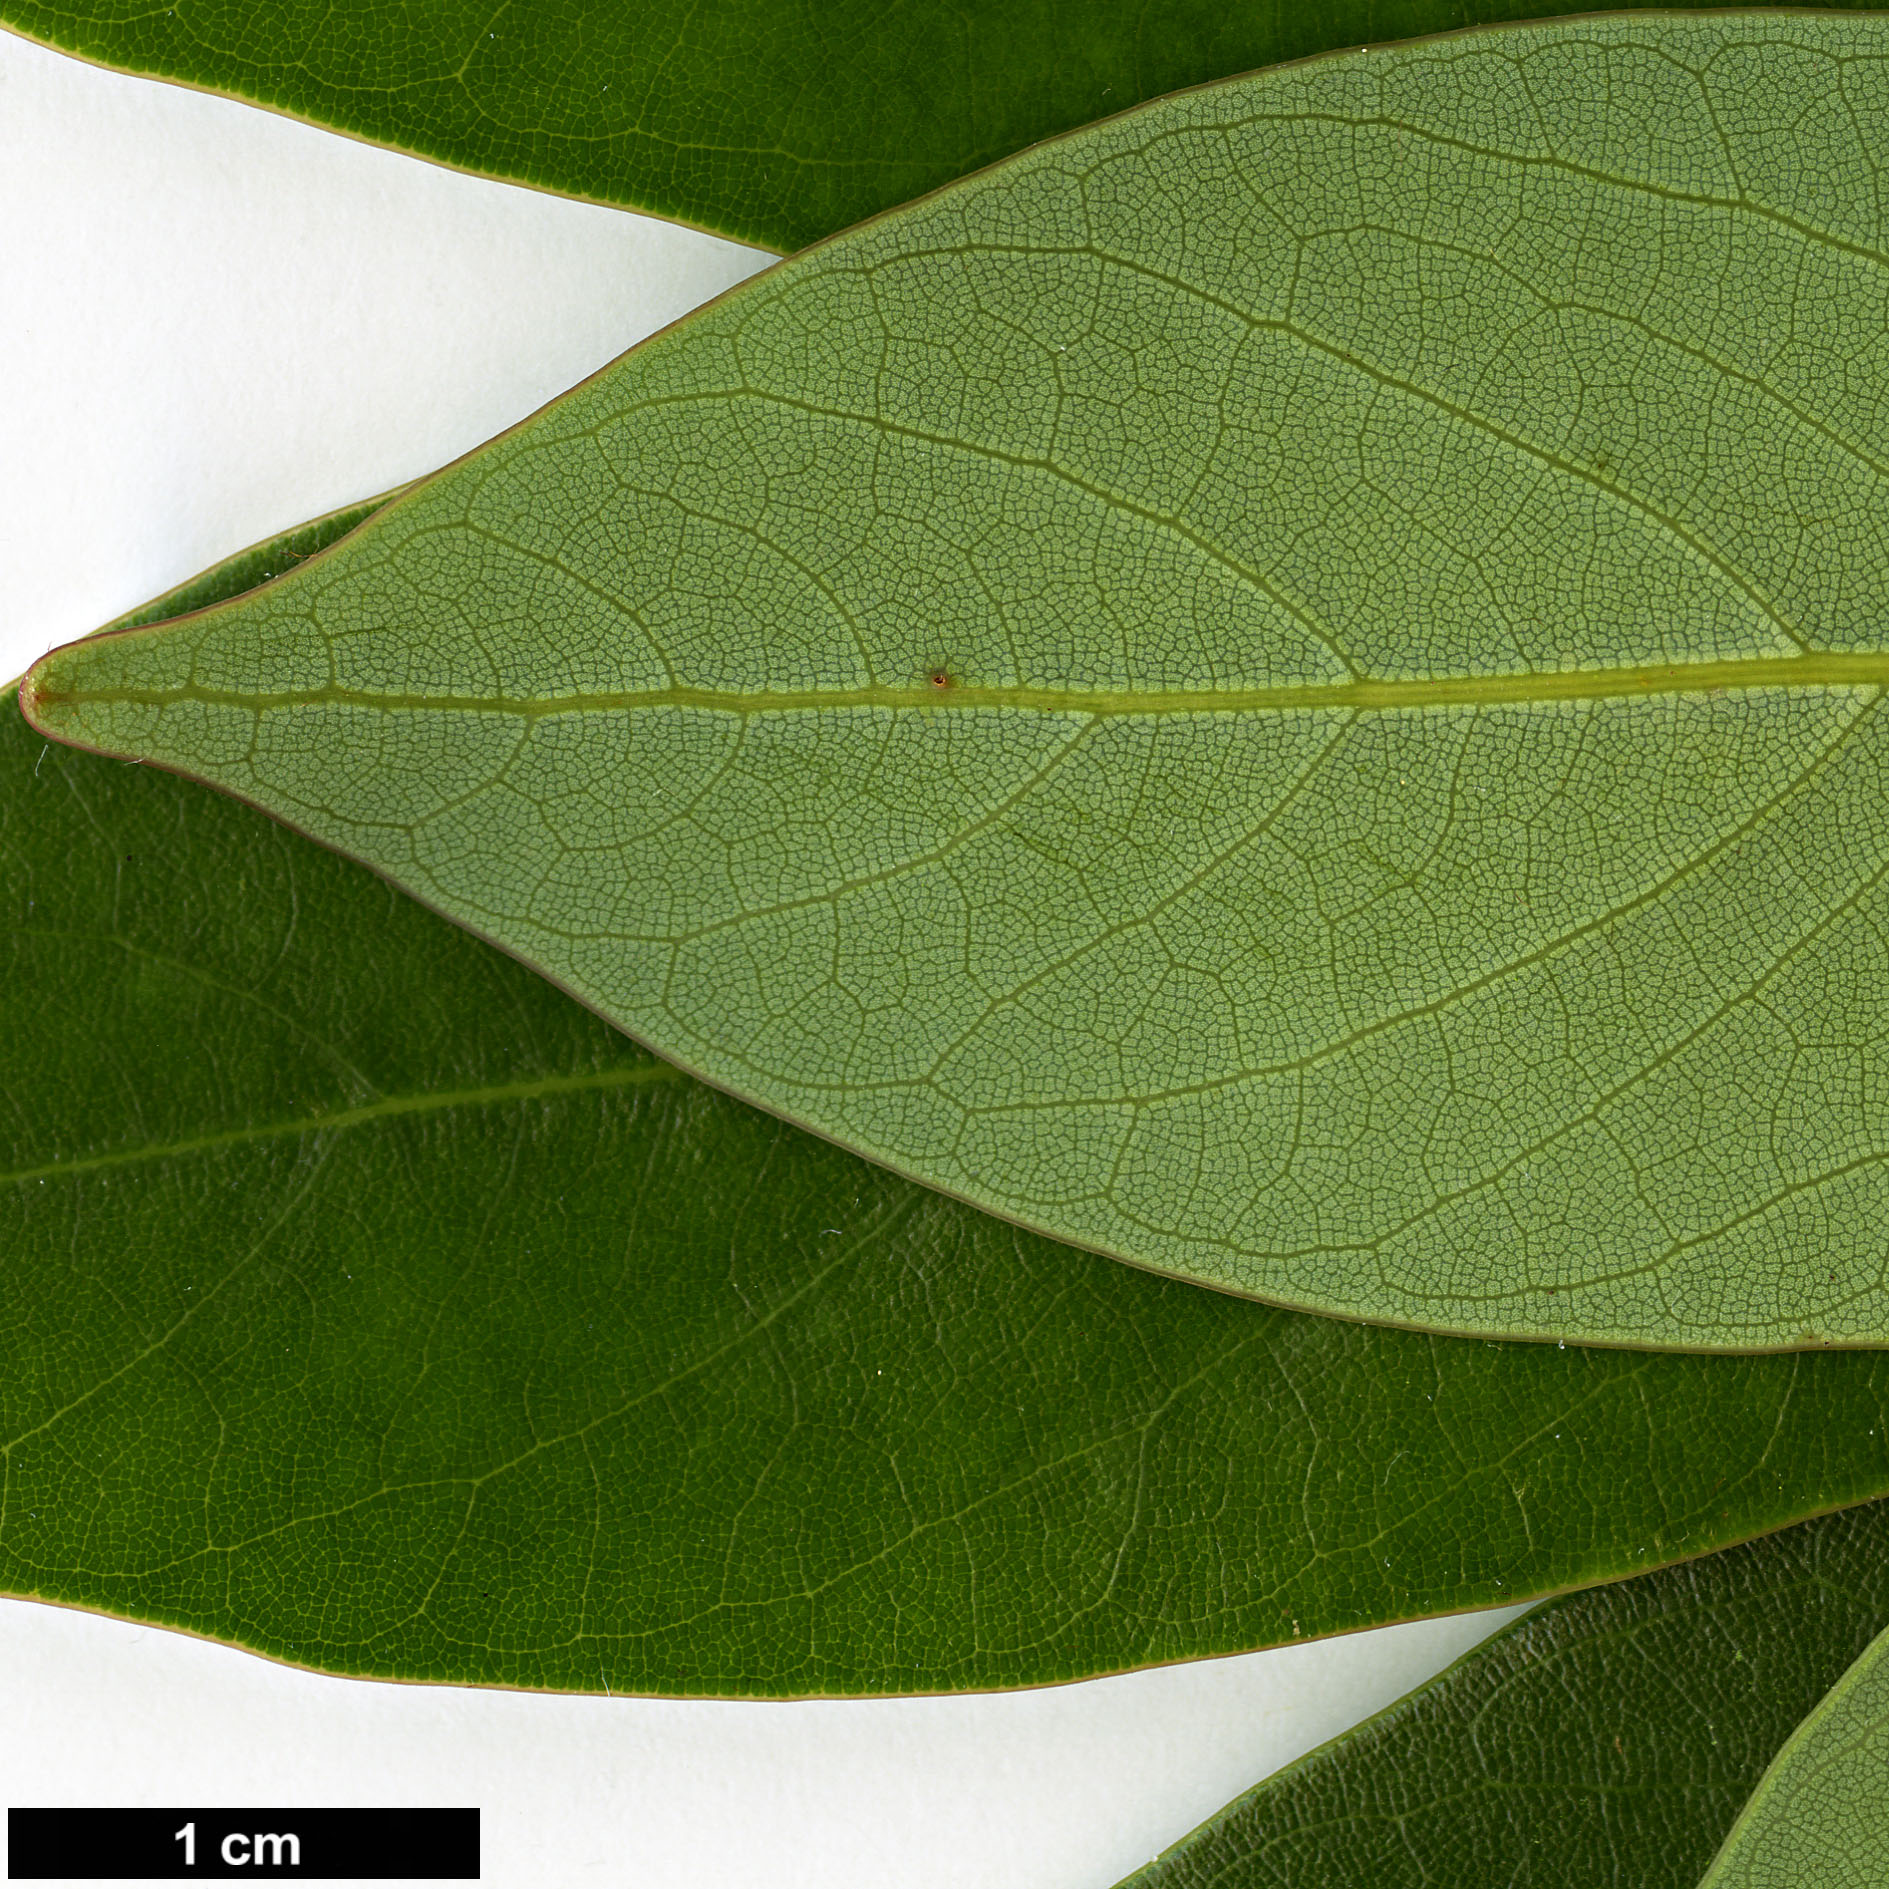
(1605, 1740)
(1289, 686)
(364, 1301)
(774, 121)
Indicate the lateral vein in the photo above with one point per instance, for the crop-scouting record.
(633, 1076)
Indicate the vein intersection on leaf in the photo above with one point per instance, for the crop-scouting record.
(1285, 687)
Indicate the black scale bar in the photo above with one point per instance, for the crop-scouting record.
(182, 1845)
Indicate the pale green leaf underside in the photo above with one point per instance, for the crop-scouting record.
(1288, 686)
(1819, 1819)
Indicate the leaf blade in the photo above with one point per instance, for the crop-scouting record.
(1820, 1813)
(172, 951)
(1173, 945)
(774, 125)
(1607, 1737)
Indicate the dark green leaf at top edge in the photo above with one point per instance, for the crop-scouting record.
(371, 1305)
(774, 124)
(1606, 1739)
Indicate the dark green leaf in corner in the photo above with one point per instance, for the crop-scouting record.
(1605, 1740)
(372, 1305)
(1290, 687)
(1819, 1818)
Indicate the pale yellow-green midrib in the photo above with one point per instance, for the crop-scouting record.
(1818, 670)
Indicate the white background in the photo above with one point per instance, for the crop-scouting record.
(213, 325)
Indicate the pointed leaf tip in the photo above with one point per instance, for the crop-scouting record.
(1403, 837)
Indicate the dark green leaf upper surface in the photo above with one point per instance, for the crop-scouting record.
(1819, 1818)
(368, 1303)
(1606, 1740)
(1289, 686)
(774, 121)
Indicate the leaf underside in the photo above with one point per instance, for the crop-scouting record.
(1606, 1739)
(1287, 687)
(775, 124)
(376, 1307)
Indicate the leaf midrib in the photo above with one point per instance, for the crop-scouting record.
(1818, 670)
(421, 1102)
